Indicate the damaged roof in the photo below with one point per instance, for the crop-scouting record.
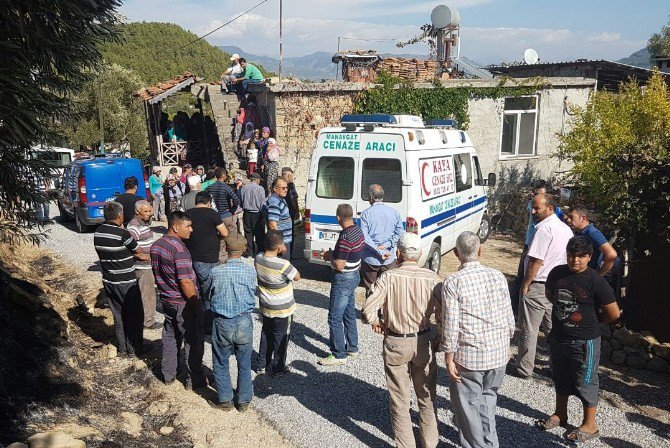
(161, 90)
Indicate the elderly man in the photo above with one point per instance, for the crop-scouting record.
(279, 215)
(407, 297)
(188, 200)
(546, 251)
(253, 197)
(382, 227)
(118, 251)
(139, 229)
(182, 305)
(478, 324)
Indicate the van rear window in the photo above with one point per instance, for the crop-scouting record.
(335, 178)
(385, 172)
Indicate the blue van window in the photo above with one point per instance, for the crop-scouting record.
(385, 172)
(335, 178)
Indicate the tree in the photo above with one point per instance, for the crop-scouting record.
(620, 146)
(46, 52)
(108, 97)
(659, 43)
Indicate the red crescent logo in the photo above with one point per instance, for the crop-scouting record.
(423, 179)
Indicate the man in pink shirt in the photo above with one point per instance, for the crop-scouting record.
(546, 251)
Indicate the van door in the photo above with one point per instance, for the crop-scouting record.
(103, 181)
(133, 167)
(382, 162)
(464, 191)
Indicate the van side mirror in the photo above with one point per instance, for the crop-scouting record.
(491, 181)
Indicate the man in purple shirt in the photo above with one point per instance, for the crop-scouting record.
(183, 308)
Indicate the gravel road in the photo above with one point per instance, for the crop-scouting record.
(347, 406)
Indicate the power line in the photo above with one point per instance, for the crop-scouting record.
(227, 23)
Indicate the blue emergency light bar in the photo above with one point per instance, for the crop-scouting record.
(443, 123)
(368, 118)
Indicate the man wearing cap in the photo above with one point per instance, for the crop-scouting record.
(156, 189)
(233, 72)
(233, 300)
(253, 198)
(407, 297)
(188, 200)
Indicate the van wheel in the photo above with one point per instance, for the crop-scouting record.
(81, 227)
(64, 217)
(484, 228)
(434, 260)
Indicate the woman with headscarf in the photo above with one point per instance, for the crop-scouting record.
(173, 190)
(271, 163)
(245, 138)
(262, 145)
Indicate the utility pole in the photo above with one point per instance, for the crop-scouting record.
(100, 122)
(280, 36)
(337, 67)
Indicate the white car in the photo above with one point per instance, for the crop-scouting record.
(430, 174)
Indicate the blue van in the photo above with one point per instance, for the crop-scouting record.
(88, 184)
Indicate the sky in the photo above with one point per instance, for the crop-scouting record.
(491, 30)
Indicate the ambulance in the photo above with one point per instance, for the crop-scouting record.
(430, 173)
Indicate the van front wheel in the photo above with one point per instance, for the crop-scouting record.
(484, 229)
(434, 260)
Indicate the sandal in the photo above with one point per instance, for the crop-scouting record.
(550, 423)
(580, 436)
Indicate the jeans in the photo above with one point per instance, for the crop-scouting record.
(342, 314)
(203, 272)
(232, 336)
(42, 210)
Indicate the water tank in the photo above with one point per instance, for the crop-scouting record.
(445, 16)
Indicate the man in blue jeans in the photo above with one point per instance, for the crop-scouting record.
(233, 301)
(345, 260)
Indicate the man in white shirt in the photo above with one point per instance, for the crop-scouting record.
(233, 72)
(546, 251)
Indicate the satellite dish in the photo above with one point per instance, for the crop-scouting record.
(530, 56)
(444, 16)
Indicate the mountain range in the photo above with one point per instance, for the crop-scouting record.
(318, 65)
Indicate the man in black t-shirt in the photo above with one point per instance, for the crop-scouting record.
(581, 299)
(128, 199)
(204, 245)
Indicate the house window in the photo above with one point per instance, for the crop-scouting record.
(519, 127)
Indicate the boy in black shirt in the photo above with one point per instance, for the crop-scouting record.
(581, 298)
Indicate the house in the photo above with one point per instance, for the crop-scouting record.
(608, 74)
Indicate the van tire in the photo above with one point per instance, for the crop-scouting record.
(81, 227)
(64, 216)
(434, 260)
(484, 230)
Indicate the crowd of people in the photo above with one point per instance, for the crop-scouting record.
(212, 274)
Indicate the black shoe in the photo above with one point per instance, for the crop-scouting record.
(168, 382)
(286, 370)
(243, 407)
(189, 385)
(226, 406)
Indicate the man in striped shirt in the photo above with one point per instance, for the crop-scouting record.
(279, 215)
(117, 251)
(141, 232)
(277, 305)
(478, 324)
(182, 305)
(346, 262)
(408, 296)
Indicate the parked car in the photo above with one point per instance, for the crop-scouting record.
(57, 158)
(88, 184)
(430, 174)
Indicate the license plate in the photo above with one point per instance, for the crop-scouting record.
(328, 236)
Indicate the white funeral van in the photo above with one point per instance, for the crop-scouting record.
(430, 174)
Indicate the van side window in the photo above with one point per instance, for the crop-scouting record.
(479, 180)
(463, 168)
(385, 172)
(335, 178)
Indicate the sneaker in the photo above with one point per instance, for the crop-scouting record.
(243, 407)
(352, 354)
(331, 360)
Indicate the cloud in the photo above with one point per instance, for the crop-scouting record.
(605, 37)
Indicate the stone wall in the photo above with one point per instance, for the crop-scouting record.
(637, 350)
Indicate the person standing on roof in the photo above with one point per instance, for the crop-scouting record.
(382, 227)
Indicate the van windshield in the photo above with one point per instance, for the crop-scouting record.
(385, 172)
(335, 178)
(53, 158)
